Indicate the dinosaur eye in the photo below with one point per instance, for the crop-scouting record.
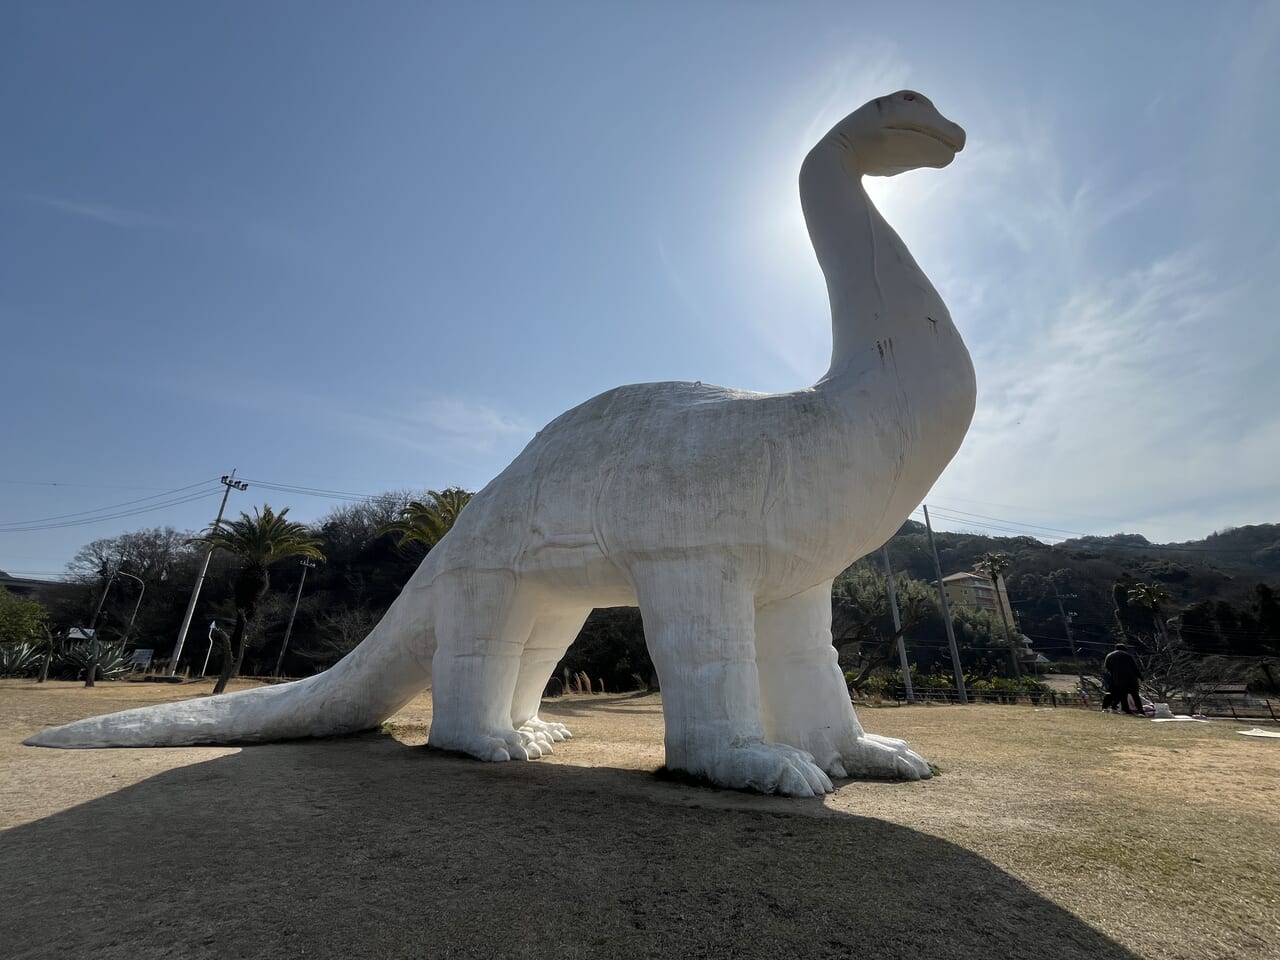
(908, 96)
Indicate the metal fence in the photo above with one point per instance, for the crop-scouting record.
(1039, 698)
(1236, 708)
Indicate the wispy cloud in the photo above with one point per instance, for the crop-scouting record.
(1112, 387)
(467, 422)
(100, 212)
(463, 431)
(1114, 378)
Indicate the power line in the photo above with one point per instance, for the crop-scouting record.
(943, 515)
(1194, 629)
(75, 483)
(307, 491)
(204, 495)
(982, 522)
(1018, 523)
(113, 506)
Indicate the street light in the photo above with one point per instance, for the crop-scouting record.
(93, 626)
(288, 631)
(133, 616)
(93, 630)
(213, 625)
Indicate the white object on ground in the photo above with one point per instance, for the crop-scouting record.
(723, 514)
(1179, 717)
(1259, 732)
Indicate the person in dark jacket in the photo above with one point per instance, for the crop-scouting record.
(1108, 693)
(1125, 676)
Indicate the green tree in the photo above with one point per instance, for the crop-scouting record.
(256, 542)
(995, 566)
(861, 622)
(426, 521)
(21, 620)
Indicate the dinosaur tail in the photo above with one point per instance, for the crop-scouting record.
(382, 674)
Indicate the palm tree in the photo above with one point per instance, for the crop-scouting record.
(257, 542)
(1153, 596)
(995, 565)
(426, 521)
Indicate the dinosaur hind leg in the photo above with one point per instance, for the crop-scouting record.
(550, 638)
(699, 625)
(482, 625)
(804, 699)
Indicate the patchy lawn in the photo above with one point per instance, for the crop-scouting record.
(1050, 833)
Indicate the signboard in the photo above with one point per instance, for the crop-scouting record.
(141, 658)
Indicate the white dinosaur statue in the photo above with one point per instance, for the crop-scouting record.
(723, 514)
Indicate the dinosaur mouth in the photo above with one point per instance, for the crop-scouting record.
(927, 132)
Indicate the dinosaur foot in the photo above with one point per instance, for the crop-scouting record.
(492, 748)
(763, 767)
(883, 758)
(553, 732)
(536, 742)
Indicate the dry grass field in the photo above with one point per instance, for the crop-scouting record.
(1049, 833)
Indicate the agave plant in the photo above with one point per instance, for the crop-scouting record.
(113, 662)
(19, 659)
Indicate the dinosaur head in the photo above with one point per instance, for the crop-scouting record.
(897, 133)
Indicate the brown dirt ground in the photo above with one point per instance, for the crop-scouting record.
(1050, 833)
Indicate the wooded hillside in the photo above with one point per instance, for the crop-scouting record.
(1221, 596)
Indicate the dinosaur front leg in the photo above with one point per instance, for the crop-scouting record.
(804, 700)
(699, 628)
(481, 629)
(549, 639)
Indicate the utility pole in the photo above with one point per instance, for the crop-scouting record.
(946, 613)
(227, 481)
(1002, 602)
(93, 629)
(288, 631)
(897, 626)
(1066, 623)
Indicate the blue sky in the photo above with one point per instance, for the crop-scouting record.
(365, 247)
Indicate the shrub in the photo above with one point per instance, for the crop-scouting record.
(875, 687)
(982, 690)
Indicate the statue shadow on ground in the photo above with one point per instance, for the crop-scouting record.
(368, 848)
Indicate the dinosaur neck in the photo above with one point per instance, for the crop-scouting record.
(874, 284)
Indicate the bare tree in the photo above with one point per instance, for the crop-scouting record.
(152, 554)
(338, 631)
